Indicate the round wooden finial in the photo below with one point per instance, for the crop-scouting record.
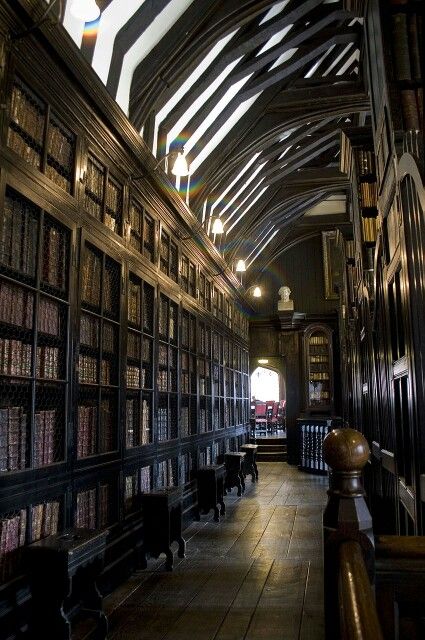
(345, 450)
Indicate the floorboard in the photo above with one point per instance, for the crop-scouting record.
(255, 575)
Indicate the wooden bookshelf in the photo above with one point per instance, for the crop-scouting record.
(38, 136)
(98, 354)
(318, 368)
(111, 386)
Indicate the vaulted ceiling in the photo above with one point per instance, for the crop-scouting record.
(257, 92)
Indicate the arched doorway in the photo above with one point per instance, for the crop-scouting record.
(265, 384)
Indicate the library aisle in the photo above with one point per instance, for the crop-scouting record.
(255, 575)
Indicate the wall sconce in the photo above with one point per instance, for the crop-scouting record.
(240, 266)
(216, 227)
(257, 293)
(180, 167)
(86, 10)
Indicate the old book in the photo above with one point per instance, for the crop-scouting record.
(410, 110)
(37, 521)
(401, 47)
(415, 56)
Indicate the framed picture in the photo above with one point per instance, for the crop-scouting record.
(332, 263)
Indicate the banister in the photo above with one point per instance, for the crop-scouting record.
(358, 615)
(347, 527)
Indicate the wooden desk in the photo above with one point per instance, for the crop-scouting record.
(61, 567)
(234, 475)
(250, 463)
(211, 480)
(162, 524)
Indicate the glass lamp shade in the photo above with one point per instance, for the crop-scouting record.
(257, 292)
(180, 167)
(86, 10)
(240, 266)
(217, 226)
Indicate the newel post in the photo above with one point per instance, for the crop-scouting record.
(346, 516)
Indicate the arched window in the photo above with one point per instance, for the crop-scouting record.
(265, 384)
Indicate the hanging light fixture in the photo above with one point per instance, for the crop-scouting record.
(240, 266)
(180, 167)
(86, 10)
(257, 292)
(217, 226)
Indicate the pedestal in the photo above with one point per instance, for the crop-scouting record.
(162, 525)
(234, 476)
(250, 464)
(211, 489)
(64, 568)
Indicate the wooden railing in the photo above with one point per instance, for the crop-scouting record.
(356, 566)
(358, 615)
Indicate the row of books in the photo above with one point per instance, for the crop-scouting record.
(162, 381)
(368, 194)
(114, 198)
(87, 431)
(91, 276)
(134, 303)
(205, 456)
(167, 473)
(54, 256)
(407, 45)
(185, 467)
(184, 422)
(61, 145)
(57, 174)
(318, 339)
(48, 317)
(315, 367)
(16, 305)
(86, 507)
(24, 147)
(162, 424)
(320, 375)
(19, 235)
(370, 230)
(44, 520)
(112, 221)
(12, 537)
(27, 113)
(44, 437)
(320, 358)
(365, 162)
(135, 377)
(15, 358)
(87, 369)
(412, 106)
(13, 437)
(138, 427)
(93, 207)
(89, 331)
(95, 178)
(47, 362)
(87, 436)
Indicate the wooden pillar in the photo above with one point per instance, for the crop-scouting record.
(346, 516)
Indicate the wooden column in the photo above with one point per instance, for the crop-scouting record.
(346, 515)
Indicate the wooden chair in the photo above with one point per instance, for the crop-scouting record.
(260, 419)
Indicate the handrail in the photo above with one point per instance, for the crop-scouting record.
(357, 609)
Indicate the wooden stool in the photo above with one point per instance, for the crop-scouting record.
(61, 566)
(162, 524)
(234, 475)
(211, 489)
(249, 463)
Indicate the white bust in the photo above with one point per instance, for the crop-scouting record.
(285, 294)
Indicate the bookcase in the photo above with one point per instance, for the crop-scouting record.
(38, 136)
(318, 368)
(113, 371)
(404, 26)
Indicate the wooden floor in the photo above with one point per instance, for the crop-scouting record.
(256, 575)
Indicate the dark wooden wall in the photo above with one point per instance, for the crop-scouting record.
(301, 269)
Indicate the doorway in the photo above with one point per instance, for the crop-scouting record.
(265, 385)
